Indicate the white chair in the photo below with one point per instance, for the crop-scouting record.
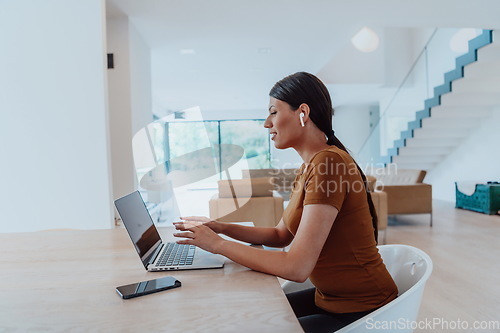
(410, 268)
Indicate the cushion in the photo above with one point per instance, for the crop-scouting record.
(394, 176)
(245, 188)
(283, 178)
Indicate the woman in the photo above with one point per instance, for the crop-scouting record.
(330, 218)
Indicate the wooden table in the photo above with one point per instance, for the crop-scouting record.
(65, 281)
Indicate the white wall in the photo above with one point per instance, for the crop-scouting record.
(398, 55)
(476, 159)
(129, 88)
(352, 125)
(140, 80)
(53, 110)
(120, 109)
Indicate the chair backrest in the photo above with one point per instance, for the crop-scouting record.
(410, 268)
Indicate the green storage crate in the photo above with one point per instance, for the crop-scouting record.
(485, 199)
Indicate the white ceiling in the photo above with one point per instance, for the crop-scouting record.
(228, 72)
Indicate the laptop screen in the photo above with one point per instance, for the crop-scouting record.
(139, 225)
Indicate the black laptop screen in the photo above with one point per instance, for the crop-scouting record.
(138, 223)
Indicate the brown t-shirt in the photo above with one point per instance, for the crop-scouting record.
(349, 275)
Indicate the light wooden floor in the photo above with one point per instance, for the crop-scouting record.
(465, 250)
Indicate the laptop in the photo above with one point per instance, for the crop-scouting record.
(154, 253)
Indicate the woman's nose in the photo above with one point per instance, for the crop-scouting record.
(267, 123)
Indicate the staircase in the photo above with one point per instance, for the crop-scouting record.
(468, 95)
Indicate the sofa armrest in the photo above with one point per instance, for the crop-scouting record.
(379, 199)
(409, 199)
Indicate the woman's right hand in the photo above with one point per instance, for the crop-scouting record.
(193, 221)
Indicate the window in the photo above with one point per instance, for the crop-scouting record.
(174, 141)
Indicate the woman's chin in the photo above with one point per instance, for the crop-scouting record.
(278, 146)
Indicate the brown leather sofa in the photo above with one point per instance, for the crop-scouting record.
(406, 192)
(247, 200)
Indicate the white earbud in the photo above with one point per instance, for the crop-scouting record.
(302, 119)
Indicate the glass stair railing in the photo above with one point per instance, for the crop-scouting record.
(446, 51)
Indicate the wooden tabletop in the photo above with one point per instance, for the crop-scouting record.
(65, 281)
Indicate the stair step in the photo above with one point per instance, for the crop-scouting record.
(428, 159)
(475, 99)
(419, 166)
(468, 85)
(424, 143)
(482, 70)
(489, 53)
(437, 133)
(443, 111)
(444, 123)
(424, 151)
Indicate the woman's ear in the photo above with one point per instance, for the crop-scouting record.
(304, 108)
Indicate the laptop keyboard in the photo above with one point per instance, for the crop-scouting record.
(177, 255)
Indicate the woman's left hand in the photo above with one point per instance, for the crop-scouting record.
(201, 236)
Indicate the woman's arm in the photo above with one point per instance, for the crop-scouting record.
(278, 236)
(295, 265)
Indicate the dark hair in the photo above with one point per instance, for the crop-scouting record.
(303, 87)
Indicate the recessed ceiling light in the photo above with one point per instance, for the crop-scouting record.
(264, 50)
(186, 51)
(366, 40)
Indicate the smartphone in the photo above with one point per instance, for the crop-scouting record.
(147, 287)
